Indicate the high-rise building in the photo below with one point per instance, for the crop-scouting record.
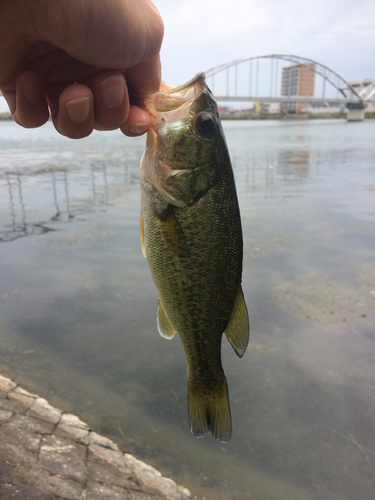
(297, 80)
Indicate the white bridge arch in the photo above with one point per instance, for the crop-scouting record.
(346, 93)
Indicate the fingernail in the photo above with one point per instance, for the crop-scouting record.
(111, 91)
(31, 87)
(139, 128)
(78, 109)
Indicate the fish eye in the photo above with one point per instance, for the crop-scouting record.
(205, 124)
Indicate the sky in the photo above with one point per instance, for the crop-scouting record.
(200, 34)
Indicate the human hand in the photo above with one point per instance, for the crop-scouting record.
(78, 58)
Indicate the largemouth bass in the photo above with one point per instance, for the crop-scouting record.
(192, 238)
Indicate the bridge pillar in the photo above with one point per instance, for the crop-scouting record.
(356, 112)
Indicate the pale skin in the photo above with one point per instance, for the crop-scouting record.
(77, 58)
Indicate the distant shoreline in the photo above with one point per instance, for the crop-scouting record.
(291, 117)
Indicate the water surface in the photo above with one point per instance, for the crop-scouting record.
(78, 306)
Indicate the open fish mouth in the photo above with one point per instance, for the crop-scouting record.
(177, 96)
(172, 98)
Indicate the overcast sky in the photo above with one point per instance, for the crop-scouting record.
(200, 34)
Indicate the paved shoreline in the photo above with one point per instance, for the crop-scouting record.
(46, 454)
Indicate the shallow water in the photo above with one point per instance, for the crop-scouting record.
(78, 306)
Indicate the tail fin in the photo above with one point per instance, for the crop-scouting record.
(209, 410)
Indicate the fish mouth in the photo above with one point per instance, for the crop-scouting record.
(177, 96)
(174, 97)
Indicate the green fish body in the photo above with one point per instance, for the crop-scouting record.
(191, 235)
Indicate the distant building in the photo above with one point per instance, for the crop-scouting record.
(297, 80)
(257, 107)
(267, 108)
(323, 109)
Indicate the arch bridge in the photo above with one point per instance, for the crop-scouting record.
(242, 80)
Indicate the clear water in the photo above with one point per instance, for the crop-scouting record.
(78, 306)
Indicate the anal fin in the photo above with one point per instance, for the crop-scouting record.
(238, 328)
(165, 326)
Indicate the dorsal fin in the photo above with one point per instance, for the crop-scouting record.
(238, 328)
(165, 326)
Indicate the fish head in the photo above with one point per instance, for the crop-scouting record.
(184, 142)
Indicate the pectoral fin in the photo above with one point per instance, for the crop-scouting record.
(238, 328)
(165, 326)
(142, 234)
(173, 234)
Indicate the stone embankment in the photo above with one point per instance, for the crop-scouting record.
(46, 454)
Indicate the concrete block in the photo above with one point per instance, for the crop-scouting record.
(73, 420)
(42, 409)
(153, 479)
(33, 425)
(98, 491)
(97, 452)
(12, 433)
(102, 441)
(71, 432)
(63, 457)
(5, 416)
(24, 398)
(6, 384)
(111, 475)
(64, 488)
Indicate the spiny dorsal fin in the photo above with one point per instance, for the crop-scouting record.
(165, 326)
(142, 233)
(238, 328)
